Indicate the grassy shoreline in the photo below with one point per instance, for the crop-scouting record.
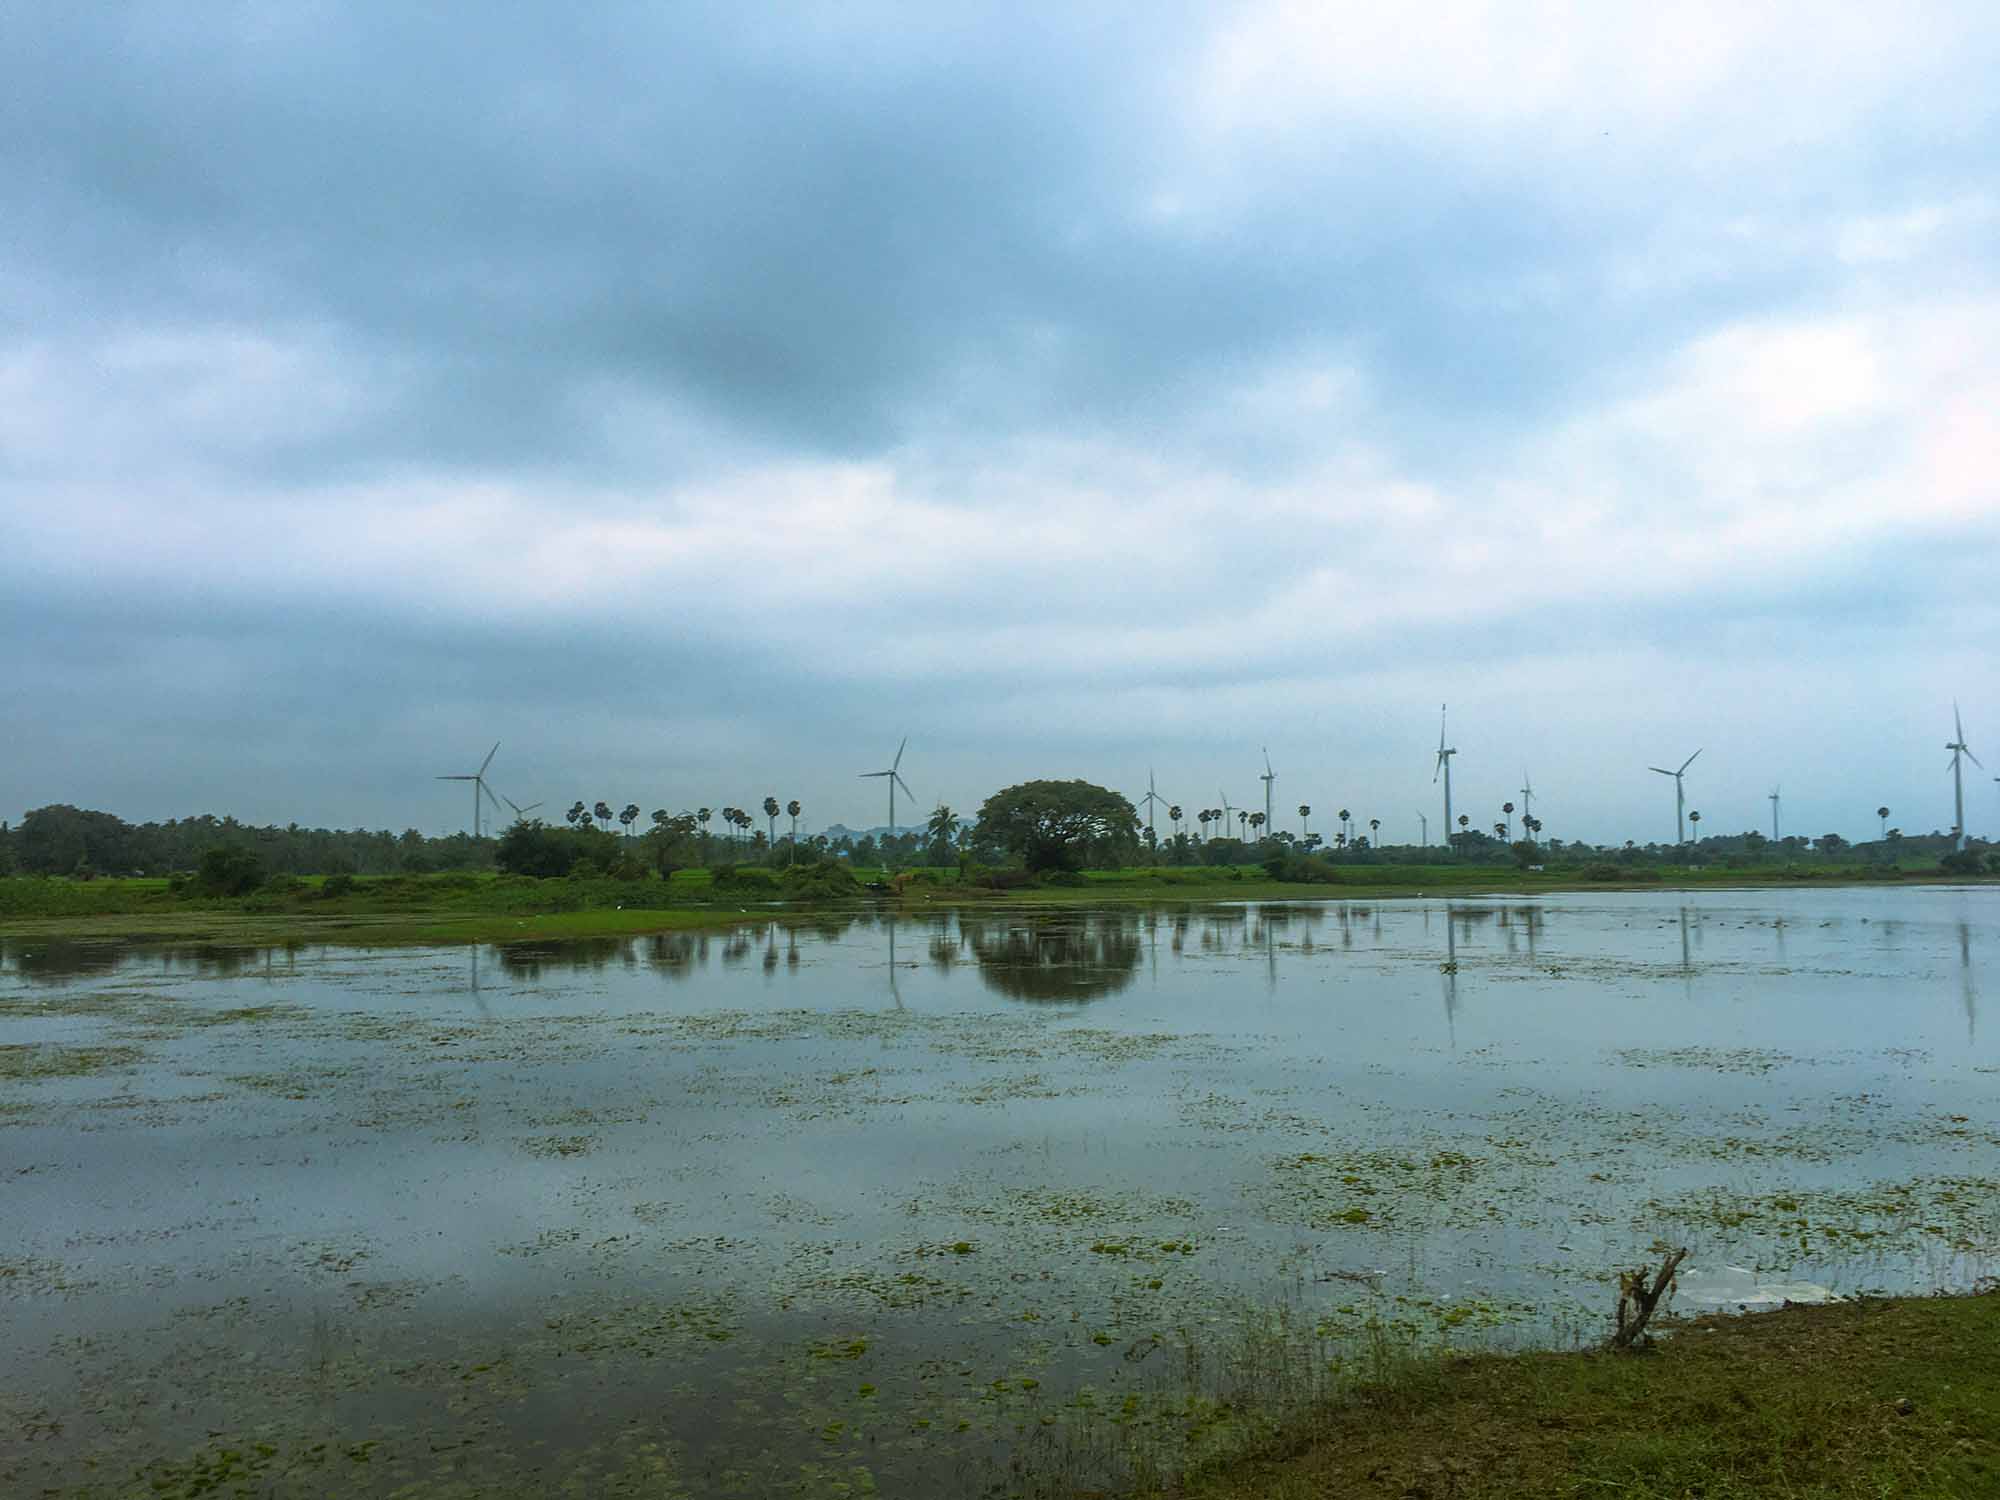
(1890, 1396)
(392, 911)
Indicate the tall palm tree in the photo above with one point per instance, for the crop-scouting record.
(577, 811)
(943, 825)
(1508, 809)
(1695, 819)
(792, 807)
(771, 811)
(1305, 811)
(1174, 817)
(1883, 814)
(701, 816)
(1257, 823)
(1464, 821)
(1344, 816)
(1242, 825)
(602, 812)
(1374, 832)
(628, 816)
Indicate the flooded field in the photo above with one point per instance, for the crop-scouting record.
(878, 1203)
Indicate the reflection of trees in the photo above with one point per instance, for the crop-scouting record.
(1058, 957)
(672, 954)
(52, 963)
(529, 960)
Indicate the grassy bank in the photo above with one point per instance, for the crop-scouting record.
(1889, 1397)
(465, 907)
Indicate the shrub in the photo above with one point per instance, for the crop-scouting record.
(744, 880)
(227, 871)
(336, 885)
(1295, 869)
(1059, 876)
(829, 881)
(1963, 862)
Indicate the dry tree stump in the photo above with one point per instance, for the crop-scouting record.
(1638, 1296)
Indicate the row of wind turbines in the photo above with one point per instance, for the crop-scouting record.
(1961, 751)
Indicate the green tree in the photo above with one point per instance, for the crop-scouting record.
(1052, 825)
(229, 870)
(771, 811)
(628, 816)
(793, 809)
(602, 812)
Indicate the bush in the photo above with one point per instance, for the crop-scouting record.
(1963, 862)
(227, 871)
(744, 880)
(1295, 869)
(336, 885)
(830, 881)
(1059, 876)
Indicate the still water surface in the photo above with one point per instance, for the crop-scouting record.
(859, 1202)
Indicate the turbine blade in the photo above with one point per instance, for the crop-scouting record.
(1956, 722)
(1690, 760)
(489, 757)
(906, 788)
(899, 753)
(1663, 773)
(1973, 758)
(458, 778)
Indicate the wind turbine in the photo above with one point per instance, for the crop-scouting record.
(1680, 797)
(1444, 766)
(1774, 815)
(1226, 811)
(1267, 778)
(479, 786)
(1147, 802)
(519, 811)
(1426, 825)
(1527, 798)
(895, 780)
(1959, 748)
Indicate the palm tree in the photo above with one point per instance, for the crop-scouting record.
(701, 816)
(1508, 809)
(661, 817)
(1174, 817)
(1257, 823)
(1242, 826)
(576, 812)
(1464, 821)
(629, 816)
(1695, 836)
(771, 811)
(1202, 818)
(1344, 816)
(943, 825)
(1305, 811)
(602, 812)
(792, 807)
(1883, 814)
(1374, 832)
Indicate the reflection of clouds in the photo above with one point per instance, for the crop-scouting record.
(1057, 958)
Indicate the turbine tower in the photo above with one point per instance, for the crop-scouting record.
(1774, 815)
(1425, 824)
(1960, 751)
(479, 787)
(1444, 767)
(1680, 798)
(1147, 802)
(1267, 778)
(895, 779)
(1527, 797)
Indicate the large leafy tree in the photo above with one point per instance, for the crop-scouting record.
(1053, 825)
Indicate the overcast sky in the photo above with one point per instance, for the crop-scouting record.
(698, 399)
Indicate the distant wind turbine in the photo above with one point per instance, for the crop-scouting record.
(1147, 802)
(1424, 823)
(1680, 797)
(1774, 815)
(895, 780)
(479, 787)
(1958, 749)
(1267, 778)
(1527, 798)
(519, 811)
(1227, 811)
(1444, 766)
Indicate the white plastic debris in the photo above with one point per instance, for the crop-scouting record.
(1738, 1286)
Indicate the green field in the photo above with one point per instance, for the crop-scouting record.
(468, 907)
(1892, 1397)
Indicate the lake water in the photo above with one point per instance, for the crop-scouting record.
(878, 1202)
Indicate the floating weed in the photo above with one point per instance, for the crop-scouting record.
(34, 1061)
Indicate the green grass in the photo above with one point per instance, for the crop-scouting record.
(469, 907)
(1897, 1397)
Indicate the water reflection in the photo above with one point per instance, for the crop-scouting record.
(1967, 995)
(1061, 957)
